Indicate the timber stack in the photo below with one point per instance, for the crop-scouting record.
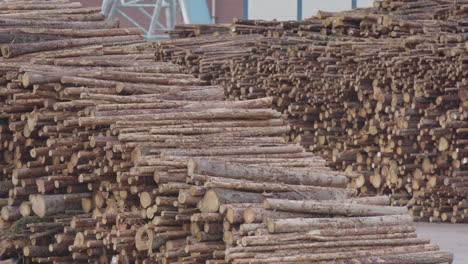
(378, 91)
(110, 156)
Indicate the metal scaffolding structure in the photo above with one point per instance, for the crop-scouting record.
(191, 11)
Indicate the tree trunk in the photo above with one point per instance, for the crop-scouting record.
(429, 257)
(13, 50)
(301, 258)
(208, 167)
(333, 208)
(313, 192)
(44, 205)
(308, 224)
(214, 198)
(257, 215)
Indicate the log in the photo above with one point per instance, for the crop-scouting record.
(343, 255)
(313, 192)
(207, 167)
(36, 251)
(44, 205)
(257, 215)
(332, 208)
(416, 258)
(307, 224)
(12, 50)
(214, 198)
(97, 132)
(364, 230)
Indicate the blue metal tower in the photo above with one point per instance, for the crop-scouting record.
(192, 12)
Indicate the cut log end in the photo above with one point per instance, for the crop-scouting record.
(119, 88)
(25, 209)
(271, 225)
(25, 79)
(191, 165)
(5, 51)
(144, 239)
(26, 251)
(145, 199)
(210, 202)
(87, 204)
(230, 215)
(136, 153)
(38, 206)
(249, 213)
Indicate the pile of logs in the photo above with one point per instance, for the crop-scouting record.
(379, 91)
(389, 18)
(209, 57)
(109, 156)
(244, 218)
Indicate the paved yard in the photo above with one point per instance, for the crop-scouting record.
(452, 237)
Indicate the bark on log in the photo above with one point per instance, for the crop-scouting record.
(214, 198)
(429, 257)
(207, 167)
(43, 205)
(257, 215)
(313, 192)
(298, 225)
(333, 208)
(12, 50)
(343, 255)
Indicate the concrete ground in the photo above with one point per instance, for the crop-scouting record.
(453, 237)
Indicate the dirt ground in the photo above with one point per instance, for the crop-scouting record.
(452, 237)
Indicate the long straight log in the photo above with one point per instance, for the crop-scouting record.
(74, 33)
(308, 224)
(59, 24)
(363, 230)
(429, 257)
(344, 255)
(208, 114)
(347, 234)
(257, 215)
(314, 192)
(12, 50)
(335, 207)
(208, 167)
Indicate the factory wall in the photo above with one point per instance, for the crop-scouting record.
(226, 10)
(273, 9)
(288, 9)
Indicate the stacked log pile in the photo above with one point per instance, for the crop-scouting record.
(138, 161)
(52, 28)
(110, 156)
(253, 227)
(183, 182)
(208, 58)
(379, 91)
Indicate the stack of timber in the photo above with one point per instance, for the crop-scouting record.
(378, 91)
(181, 173)
(208, 58)
(393, 19)
(139, 159)
(110, 156)
(292, 225)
